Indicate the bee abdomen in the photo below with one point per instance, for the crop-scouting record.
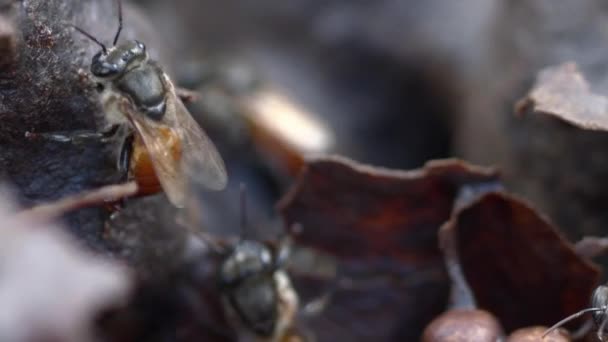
(141, 168)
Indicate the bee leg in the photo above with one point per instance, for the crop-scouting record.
(75, 137)
(124, 158)
(114, 208)
(110, 132)
(122, 164)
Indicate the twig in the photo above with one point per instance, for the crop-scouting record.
(100, 196)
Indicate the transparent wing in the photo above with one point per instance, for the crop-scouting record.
(166, 164)
(199, 161)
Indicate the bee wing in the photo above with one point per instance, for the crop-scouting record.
(199, 160)
(167, 168)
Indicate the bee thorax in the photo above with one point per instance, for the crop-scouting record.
(144, 86)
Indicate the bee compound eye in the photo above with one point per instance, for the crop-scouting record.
(101, 68)
(96, 58)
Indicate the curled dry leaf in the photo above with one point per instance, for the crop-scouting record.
(463, 321)
(381, 225)
(563, 92)
(517, 264)
(48, 286)
(546, 164)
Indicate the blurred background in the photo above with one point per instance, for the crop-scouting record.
(395, 84)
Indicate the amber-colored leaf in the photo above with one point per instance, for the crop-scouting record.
(283, 131)
(517, 264)
(563, 92)
(382, 227)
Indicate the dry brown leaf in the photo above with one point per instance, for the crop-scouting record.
(517, 264)
(563, 92)
(381, 225)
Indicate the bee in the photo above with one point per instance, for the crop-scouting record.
(258, 297)
(255, 289)
(162, 146)
(598, 310)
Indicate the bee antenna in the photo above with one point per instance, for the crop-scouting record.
(243, 188)
(573, 316)
(119, 5)
(90, 36)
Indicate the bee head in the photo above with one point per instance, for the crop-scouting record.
(599, 299)
(247, 279)
(249, 258)
(117, 60)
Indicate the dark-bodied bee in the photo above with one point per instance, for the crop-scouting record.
(162, 144)
(598, 310)
(257, 296)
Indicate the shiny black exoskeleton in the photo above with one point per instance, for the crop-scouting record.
(247, 279)
(599, 299)
(127, 68)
